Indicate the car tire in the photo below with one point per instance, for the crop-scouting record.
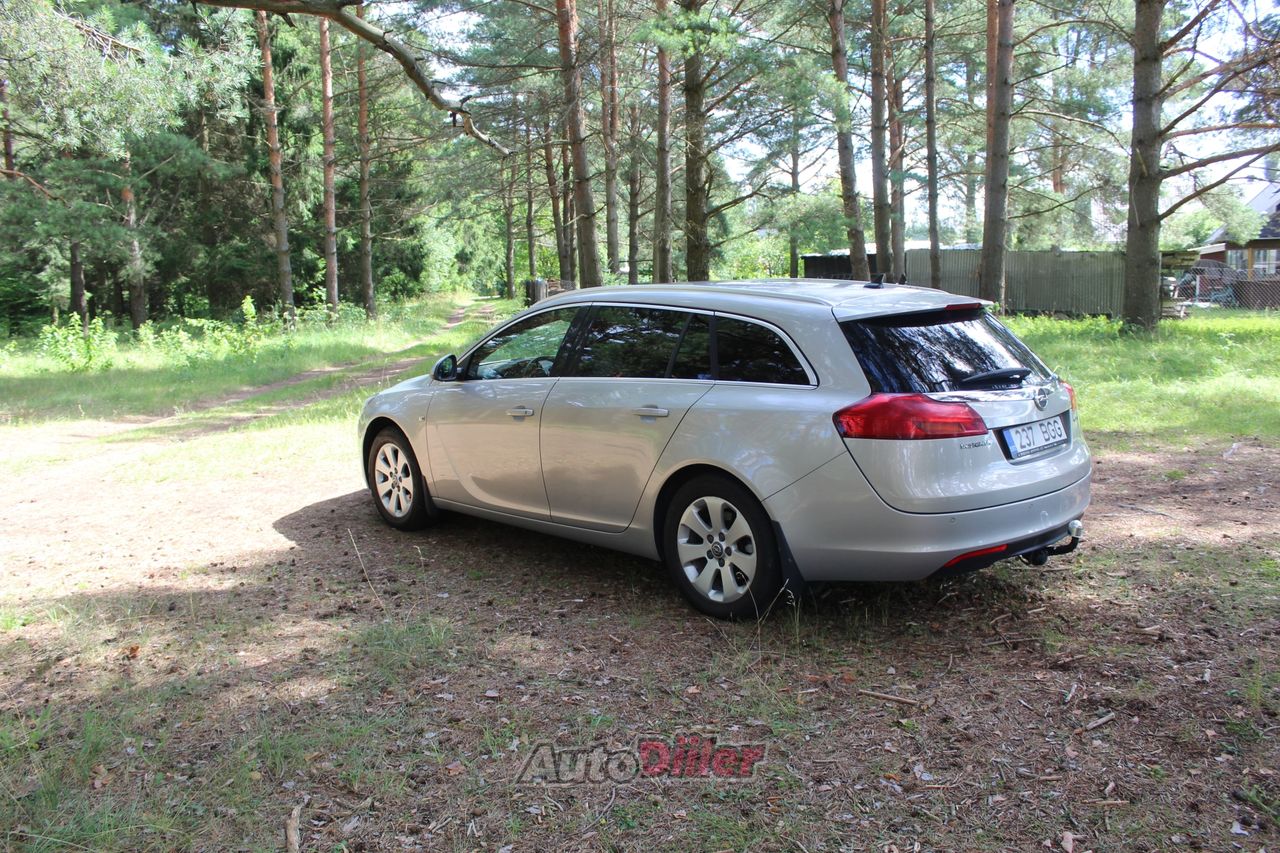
(719, 547)
(395, 482)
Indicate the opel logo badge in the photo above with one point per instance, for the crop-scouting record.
(1042, 397)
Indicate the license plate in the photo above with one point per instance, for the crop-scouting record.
(1036, 436)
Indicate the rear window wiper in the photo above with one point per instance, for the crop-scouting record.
(1003, 376)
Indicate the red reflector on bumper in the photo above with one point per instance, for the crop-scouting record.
(983, 552)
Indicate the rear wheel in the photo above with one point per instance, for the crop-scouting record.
(395, 481)
(719, 547)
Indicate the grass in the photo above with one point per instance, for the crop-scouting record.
(149, 379)
(1213, 375)
(325, 681)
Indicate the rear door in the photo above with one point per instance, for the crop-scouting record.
(636, 372)
(1033, 445)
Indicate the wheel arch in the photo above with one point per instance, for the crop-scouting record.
(677, 479)
(377, 425)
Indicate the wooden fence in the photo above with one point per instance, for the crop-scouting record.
(1050, 282)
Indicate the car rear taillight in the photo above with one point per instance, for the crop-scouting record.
(1072, 392)
(908, 416)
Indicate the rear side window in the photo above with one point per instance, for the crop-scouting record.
(749, 352)
(693, 360)
(636, 343)
(941, 351)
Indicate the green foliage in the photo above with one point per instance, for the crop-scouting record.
(1192, 376)
(69, 347)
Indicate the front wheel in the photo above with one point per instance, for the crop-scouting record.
(719, 547)
(395, 481)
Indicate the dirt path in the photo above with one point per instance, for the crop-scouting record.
(254, 587)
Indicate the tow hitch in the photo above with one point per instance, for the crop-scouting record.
(1075, 530)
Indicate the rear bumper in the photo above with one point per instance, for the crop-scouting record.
(838, 529)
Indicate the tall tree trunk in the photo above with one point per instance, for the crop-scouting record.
(509, 224)
(330, 167)
(584, 204)
(849, 204)
(78, 302)
(697, 179)
(931, 142)
(995, 219)
(971, 232)
(609, 124)
(529, 236)
(558, 218)
(570, 215)
(793, 239)
(1142, 245)
(897, 174)
(279, 216)
(882, 209)
(662, 197)
(366, 206)
(135, 267)
(634, 176)
(10, 162)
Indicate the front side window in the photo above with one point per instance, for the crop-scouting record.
(631, 343)
(749, 352)
(528, 349)
(1236, 259)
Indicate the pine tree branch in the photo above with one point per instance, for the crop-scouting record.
(416, 69)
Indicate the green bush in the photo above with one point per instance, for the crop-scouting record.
(77, 350)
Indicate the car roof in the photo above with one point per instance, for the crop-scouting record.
(769, 297)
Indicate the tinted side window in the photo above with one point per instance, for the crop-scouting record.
(940, 351)
(693, 361)
(526, 350)
(629, 342)
(748, 352)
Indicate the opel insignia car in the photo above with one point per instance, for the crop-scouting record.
(749, 435)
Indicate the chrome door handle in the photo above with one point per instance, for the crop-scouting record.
(520, 412)
(650, 412)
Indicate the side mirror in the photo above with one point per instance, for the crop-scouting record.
(446, 369)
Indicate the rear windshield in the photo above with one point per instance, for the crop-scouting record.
(941, 351)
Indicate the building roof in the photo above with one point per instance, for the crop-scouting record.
(1267, 203)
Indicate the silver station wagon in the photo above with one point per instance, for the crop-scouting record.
(750, 435)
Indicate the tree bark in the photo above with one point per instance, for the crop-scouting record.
(897, 174)
(558, 223)
(366, 205)
(509, 225)
(634, 184)
(135, 267)
(330, 167)
(10, 162)
(529, 236)
(609, 124)
(1142, 244)
(78, 302)
(971, 232)
(279, 216)
(793, 240)
(931, 142)
(584, 203)
(697, 180)
(570, 217)
(995, 219)
(662, 195)
(849, 204)
(882, 209)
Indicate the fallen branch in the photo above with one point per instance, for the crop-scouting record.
(292, 830)
(1101, 721)
(889, 697)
